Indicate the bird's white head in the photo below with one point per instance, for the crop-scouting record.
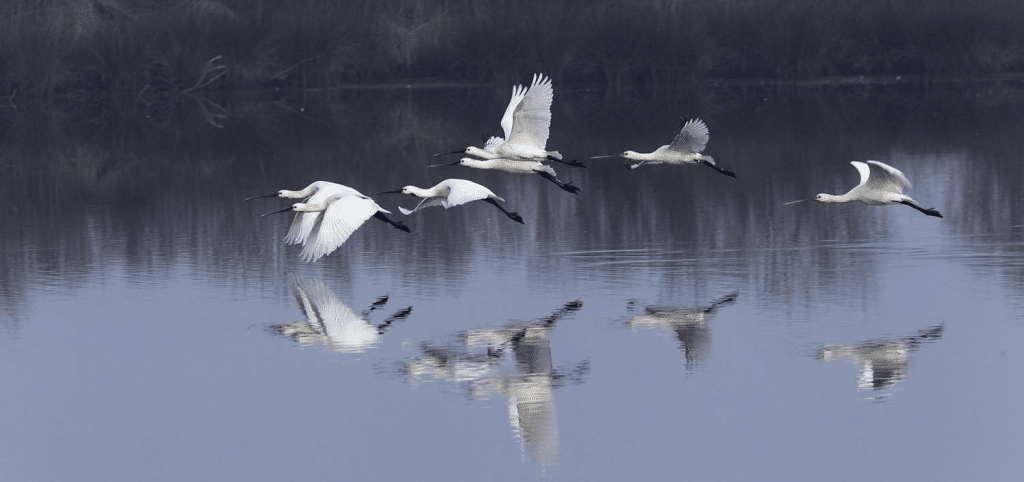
(631, 155)
(826, 198)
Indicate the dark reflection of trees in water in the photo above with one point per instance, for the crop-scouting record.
(84, 189)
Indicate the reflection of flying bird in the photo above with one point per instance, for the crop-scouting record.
(685, 149)
(528, 386)
(517, 167)
(526, 124)
(331, 323)
(880, 185)
(882, 362)
(329, 214)
(689, 324)
(453, 192)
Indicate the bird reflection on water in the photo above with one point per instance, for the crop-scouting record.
(526, 379)
(690, 325)
(883, 363)
(331, 323)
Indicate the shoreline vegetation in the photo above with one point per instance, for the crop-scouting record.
(74, 50)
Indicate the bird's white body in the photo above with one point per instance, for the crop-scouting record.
(520, 166)
(448, 193)
(880, 185)
(329, 214)
(454, 192)
(686, 148)
(526, 124)
(509, 165)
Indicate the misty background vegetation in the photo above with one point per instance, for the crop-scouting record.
(74, 49)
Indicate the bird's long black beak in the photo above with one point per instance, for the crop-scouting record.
(398, 191)
(462, 151)
(276, 212)
(798, 201)
(263, 196)
(604, 156)
(445, 164)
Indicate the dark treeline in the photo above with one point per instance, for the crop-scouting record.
(71, 49)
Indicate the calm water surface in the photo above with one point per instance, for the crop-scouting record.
(668, 322)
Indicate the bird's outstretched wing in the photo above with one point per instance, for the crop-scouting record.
(692, 138)
(518, 92)
(532, 117)
(462, 191)
(335, 224)
(881, 177)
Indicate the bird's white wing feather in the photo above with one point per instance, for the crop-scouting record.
(425, 203)
(518, 92)
(532, 118)
(864, 170)
(462, 191)
(884, 177)
(691, 138)
(335, 224)
(492, 144)
(302, 225)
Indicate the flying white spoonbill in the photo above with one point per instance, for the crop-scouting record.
(880, 185)
(329, 214)
(526, 124)
(453, 192)
(517, 167)
(685, 149)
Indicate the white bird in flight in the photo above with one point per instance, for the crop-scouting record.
(517, 167)
(329, 214)
(685, 149)
(453, 192)
(880, 185)
(526, 124)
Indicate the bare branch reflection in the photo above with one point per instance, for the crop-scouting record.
(882, 363)
(526, 379)
(690, 325)
(331, 323)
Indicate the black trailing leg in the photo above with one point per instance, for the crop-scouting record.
(513, 216)
(930, 212)
(573, 163)
(398, 225)
(566, 186)
(723, 171)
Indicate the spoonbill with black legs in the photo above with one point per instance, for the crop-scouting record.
(880, 185)
(686, 148)
(329, 214)
(526, 124)
(453, 192)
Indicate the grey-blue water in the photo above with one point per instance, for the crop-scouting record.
(666, 323)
